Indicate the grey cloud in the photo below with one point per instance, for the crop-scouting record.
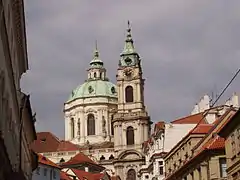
(188, 48)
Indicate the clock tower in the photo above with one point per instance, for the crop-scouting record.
(131, 122)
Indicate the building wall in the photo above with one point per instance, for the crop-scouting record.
(13, 63)
(180, 154)
(44, 172)
(232, 147)
(174, 133)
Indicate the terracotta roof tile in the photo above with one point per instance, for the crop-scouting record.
(64, 176)
(193, 119)
(215, 143)
(82, 175)
(159, 125)
(78, 159)
(46, 142)
(201, 129)
(46, 161)
(67, 146)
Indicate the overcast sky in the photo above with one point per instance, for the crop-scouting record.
(188, 49)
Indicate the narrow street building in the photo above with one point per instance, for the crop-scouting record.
(200, 155)
(14, 145)
(231, 133)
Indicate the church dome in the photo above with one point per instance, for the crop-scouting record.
(93, 89)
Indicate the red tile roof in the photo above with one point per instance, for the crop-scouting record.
(67, 146)
(193, 119)
(82, 175)
(64, 176)
(201, 129)
(159, 125)
(214, 143)
(47, 142)
(78, 159)
(46, 161)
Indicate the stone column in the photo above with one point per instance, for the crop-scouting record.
(66, 128)
(204, 171)
(189, 177)
(124, 136)
(196, 175)
(82, 127)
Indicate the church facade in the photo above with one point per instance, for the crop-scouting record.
(110, 122)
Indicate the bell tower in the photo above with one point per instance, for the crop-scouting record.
(131, 122)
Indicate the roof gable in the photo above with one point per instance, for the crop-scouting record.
(48, 142)
(80, 158)
(43, 160)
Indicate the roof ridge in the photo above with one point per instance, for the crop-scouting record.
(51, 134)
(189, 116)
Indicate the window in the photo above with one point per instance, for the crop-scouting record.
(129, 94)
(45, 171)
(223, 167)
(102, 158)
(54, 174)
(238, 138)
(90, 124)
(130, 135)
(62, 160)
(160, 163)
(95, 75)
(38, 170)
(111, 157)
(161, 170)
(233, 144)
(112, 127)
(78, 127)
(72, 128)
(131, 174)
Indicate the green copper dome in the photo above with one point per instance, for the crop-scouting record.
(94, 89)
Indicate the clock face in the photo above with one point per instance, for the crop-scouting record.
(128, 61)
(128, 72)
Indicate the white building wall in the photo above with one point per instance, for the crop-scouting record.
(174, 133)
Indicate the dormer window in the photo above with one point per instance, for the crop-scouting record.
(43, 139)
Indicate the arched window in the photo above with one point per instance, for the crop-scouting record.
(62, 160)
(102, 158)
(94, 74)
(112, 128)
(90, 124)
(78, 127)
(131, 174)
(111, 157)
(72, 128)
(129, 94)
(130, 135)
